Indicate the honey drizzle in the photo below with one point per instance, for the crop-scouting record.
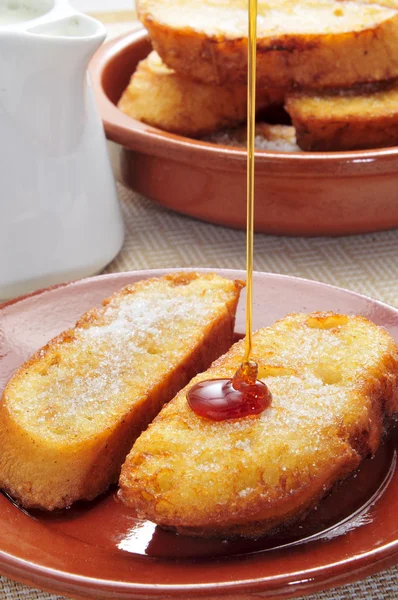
(251, 124)
(243, 395)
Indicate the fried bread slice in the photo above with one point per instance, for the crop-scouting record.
(364, 117)
(332, 380)
(311, 43)
(69, 416)
(160, 97)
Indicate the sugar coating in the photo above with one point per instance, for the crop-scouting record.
(274, 138)
(245, 492)
(317, 377)
(91, 380)
(276, 145)
(243, 445)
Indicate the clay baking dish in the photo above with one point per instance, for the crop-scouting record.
(305, 193)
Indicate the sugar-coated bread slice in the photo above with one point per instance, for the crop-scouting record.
(312, 43)
(333, 378)
(160, 97)
(362, 117)
(69, 416)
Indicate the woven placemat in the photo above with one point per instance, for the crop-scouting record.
(159, 238)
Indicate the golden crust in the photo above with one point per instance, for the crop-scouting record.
(160, 97)
(347, 119)
(70, 414)
(316, 43)
(332, 379)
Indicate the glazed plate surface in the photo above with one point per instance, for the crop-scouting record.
(100, 550)
(297, 193)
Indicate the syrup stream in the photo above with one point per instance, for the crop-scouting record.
(251, 124)
(243, 395)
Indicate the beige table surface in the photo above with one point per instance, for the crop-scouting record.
(158, 238)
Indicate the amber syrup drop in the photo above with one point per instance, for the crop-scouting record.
(243, 395)
(221, 399)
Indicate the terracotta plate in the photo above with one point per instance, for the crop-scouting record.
(99, 550)
(297, 193)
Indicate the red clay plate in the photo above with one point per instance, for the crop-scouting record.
(99, 550)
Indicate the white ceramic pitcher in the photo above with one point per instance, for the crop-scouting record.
(59, 213)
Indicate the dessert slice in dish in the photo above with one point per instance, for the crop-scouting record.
(69, 416)
(160, 97)
(353, 119)
(333, 380)
(311, 43)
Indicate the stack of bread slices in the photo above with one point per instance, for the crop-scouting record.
(332, 65)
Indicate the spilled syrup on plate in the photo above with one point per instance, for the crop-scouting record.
(243, 395)
(107, 524)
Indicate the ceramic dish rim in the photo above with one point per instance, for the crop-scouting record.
(249, 585)
(238, 273)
